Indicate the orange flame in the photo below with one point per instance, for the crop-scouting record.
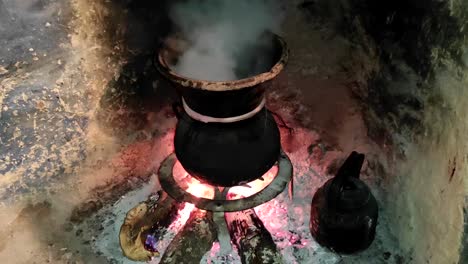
(192, 185)
(202, 190)
(199, 189)
(255, 186)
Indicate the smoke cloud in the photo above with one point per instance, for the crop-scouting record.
(226, 37)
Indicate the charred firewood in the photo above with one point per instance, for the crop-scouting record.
(193, 241)
(252, 239)
(145, 225)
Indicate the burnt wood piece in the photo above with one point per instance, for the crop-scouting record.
(150, 218)
(252, 239)
(193, 241)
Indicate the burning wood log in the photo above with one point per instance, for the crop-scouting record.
(253, 241)
(193, 241)
(145, 225)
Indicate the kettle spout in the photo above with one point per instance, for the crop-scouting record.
(352, 166)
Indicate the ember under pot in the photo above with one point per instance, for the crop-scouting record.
(344, 211)
(225, 136)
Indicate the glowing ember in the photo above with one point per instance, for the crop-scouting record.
(202, 190)
(192, 185)
(254, 187)
(184, 214)
(199, 189)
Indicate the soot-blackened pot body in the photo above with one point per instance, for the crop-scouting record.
(344, 212)
(228, 154)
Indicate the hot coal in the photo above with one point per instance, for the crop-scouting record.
(193, 241)
(253, 241)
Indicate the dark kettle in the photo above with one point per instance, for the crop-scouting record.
(344, 211)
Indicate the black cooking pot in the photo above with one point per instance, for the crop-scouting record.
(226, 153)
(344, 211)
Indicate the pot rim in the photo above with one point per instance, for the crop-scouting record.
(219, 86)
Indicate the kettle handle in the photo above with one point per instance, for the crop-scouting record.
(350, 168)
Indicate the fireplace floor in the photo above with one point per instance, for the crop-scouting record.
(78, 152)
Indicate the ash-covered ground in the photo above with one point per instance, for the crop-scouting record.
(85, 122)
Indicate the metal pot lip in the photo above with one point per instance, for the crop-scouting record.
(220, 86)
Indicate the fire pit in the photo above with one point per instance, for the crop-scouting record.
(226, 147)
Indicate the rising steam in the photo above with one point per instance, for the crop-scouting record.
(226, 37)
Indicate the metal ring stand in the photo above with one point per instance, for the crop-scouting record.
(279, 183)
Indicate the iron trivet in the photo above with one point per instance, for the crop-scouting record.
(220, 203)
